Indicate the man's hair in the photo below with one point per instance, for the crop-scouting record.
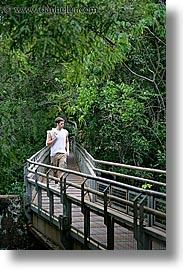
(58, 119)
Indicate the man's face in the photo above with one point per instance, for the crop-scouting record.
(61, 124)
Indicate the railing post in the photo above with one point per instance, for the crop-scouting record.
(109, 222)
(151, 205)
(86, 225)
(105, 205)
(110, 233)
(135, 218)
(66, 207)
(47, 179)
(141, 241)
(66, 218)
(65, 236)
(86, 211)
(50, 195)
(83, 196)
(51, 205)
(61, 190)
(39, 191)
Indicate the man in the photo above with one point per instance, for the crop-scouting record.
(58, 139)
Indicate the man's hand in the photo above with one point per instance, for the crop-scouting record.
(56, 134)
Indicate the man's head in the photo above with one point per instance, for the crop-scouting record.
(59, 121)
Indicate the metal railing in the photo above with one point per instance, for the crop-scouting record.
(127, 191)
(119, 203)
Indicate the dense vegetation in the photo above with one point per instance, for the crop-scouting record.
(103, 68)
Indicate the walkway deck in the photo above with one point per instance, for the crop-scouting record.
(92, 222)
(123, 237)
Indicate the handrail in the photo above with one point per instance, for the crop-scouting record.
(131, 166)
(152, 201)
(113, 182)
(123, 165)
(110, 197)
(88, 157)
(130, 177)
(115, 163)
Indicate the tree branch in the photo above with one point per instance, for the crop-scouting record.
(155, 36)
(141, 76)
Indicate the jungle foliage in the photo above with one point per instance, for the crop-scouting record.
(103, 66)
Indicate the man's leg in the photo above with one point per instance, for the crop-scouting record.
(62, 164)
(55, 162)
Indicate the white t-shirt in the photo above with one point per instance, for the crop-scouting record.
(59, 145)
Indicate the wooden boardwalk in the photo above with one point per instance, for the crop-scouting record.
(123, 238)
(116, 213)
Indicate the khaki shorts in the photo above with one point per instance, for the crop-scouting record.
(59, 160)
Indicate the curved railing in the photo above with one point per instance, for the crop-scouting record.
(155, 200)
(108, 197)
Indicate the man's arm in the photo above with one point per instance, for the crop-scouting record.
(49, 140)
(67, 146)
